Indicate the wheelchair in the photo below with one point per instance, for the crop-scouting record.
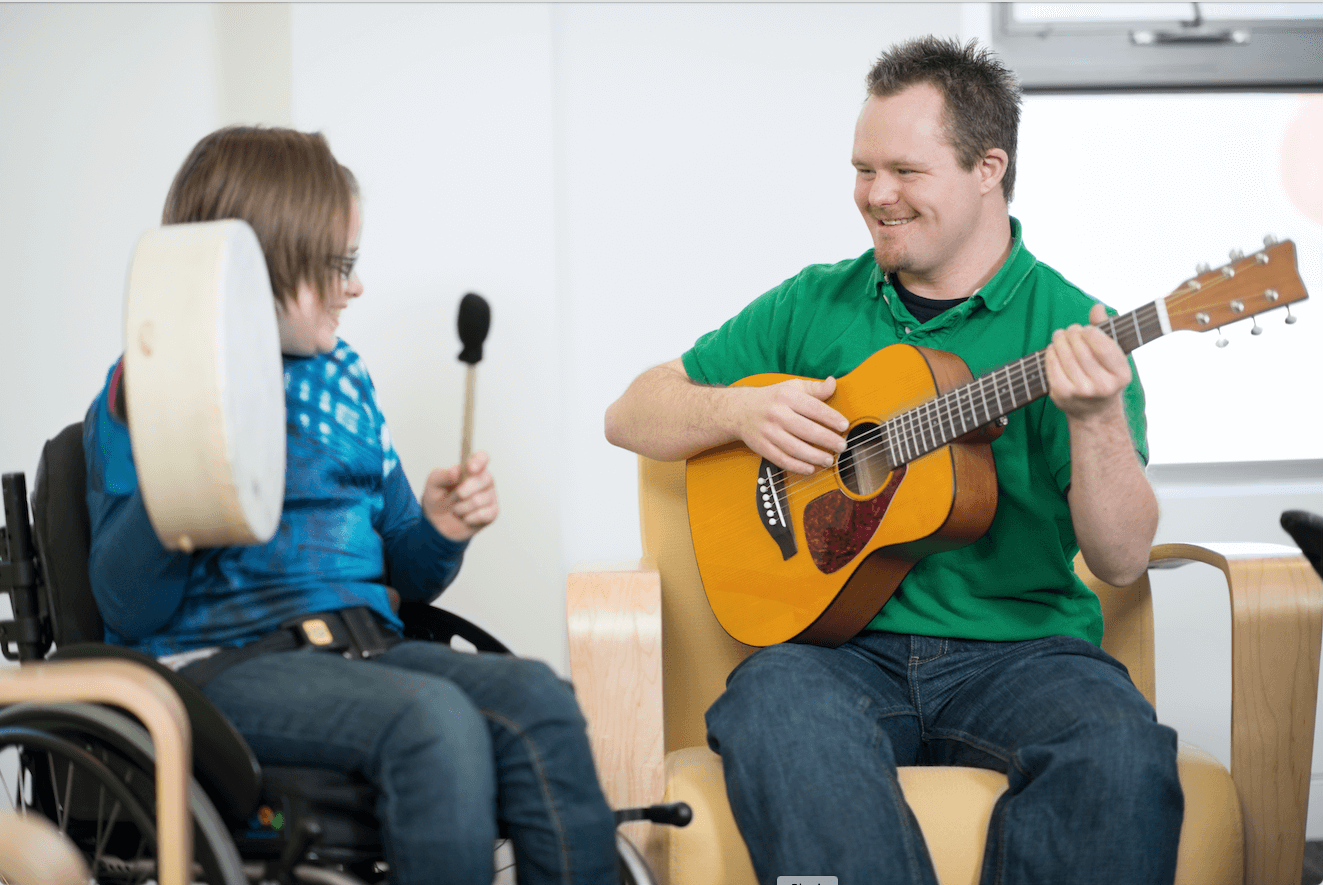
(88, 768)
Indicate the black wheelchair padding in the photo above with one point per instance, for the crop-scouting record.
(335, 811)
(59, 510)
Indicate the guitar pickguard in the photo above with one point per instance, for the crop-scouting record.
(837, 527)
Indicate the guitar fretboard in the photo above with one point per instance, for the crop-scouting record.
(978, 403)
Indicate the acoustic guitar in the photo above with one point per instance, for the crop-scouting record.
(792, 558)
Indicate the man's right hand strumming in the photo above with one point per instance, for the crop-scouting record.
(665, 415)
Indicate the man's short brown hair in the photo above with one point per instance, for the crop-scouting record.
(982, 95)
(286, 184)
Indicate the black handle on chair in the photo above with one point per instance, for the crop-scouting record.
(1306, 529)
(673, 814)
(18, 565)
(19, 576)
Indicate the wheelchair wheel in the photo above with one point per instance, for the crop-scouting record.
(88, 770)
(634, 870)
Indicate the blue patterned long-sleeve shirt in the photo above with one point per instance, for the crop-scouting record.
(349, 519)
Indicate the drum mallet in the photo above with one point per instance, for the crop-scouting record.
(475, 317)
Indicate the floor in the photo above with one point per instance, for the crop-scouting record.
(1313, 872)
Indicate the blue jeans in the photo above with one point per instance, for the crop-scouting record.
(452, 741)
(810, 739)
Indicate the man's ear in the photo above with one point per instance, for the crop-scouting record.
(991, 169)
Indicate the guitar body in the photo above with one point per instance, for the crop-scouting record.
(788, 558)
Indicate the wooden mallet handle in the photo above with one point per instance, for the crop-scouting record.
(475, 319)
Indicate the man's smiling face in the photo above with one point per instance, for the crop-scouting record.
(922, 209)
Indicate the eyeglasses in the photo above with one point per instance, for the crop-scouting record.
(344, 265)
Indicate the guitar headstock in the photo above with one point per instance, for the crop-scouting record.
(1248, 285)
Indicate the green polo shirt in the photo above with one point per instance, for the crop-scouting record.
(1017, 581)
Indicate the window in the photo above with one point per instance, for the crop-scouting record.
(1125, 193)
(1065, 47)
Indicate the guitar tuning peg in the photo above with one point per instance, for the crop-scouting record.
(1221, 341)
(1270, 240)
(1236, 254)
(1202, 267)
(1290, 320)
(1257, 330)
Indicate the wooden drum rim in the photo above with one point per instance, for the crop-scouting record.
(205, 385)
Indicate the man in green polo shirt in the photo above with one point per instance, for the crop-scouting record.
(986, 655)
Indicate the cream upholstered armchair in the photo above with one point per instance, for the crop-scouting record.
(648, 657)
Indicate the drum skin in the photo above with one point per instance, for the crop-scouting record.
(205, 385)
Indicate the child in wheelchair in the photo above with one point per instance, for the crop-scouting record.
(297, 640)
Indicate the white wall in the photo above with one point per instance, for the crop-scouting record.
(616, 179)
(705, 157)
(444, 112)
(91, 132)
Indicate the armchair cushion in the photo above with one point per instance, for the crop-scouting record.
(953, 806)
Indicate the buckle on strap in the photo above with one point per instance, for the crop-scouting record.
(353, 632)
(315, 631)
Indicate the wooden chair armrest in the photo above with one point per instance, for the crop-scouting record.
(1276, 624)
(150, 698)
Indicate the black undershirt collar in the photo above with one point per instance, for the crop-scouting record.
(922, 308)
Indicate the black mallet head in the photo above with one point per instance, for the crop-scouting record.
(475, 317)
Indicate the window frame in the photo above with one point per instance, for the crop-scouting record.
(1278, 55)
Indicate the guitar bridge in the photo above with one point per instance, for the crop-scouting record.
(774, 510)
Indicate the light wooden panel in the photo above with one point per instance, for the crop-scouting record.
(615, 644)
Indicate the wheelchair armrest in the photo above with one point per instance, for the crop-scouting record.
(222, 761)
(431, 624)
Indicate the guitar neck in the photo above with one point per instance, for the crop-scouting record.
(1247, 286)
(984, 400)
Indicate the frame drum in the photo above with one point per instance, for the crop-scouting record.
(205, 385)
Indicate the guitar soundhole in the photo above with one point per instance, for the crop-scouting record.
(863, 466)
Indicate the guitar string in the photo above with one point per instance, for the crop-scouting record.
(928, 417)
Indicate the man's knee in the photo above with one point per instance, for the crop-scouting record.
(1140, 759)
(777, 693)
(1129, 760)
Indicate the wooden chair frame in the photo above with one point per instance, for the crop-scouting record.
(148, 697)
